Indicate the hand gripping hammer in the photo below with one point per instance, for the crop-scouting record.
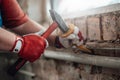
(57, 22)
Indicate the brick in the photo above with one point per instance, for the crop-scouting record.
(110, 71)
(118, 25)
(45, 70)
(93, 24)
(109, 27)
(66, 71)
(87, 76)
(81, 24)
(98, 48)
(68, 21)
(117, 52)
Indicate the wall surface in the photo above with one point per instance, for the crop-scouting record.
(100, 30)
(36, 9)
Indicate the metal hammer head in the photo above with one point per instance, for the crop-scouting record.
(58, 19)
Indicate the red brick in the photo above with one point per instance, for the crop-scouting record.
(81, 24)
(45, 70)
(93, 24)
(98, 48)
(68, 21)
(109, 27)
(118, 25)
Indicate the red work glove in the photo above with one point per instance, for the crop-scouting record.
(29, 47)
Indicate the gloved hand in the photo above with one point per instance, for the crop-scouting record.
(29, 47)
(72, 40)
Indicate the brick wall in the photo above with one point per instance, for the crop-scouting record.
(99, 27)
(100, 30)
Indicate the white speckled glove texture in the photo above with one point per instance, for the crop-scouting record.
(73, 40)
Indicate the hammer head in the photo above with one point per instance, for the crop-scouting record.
(58, 19)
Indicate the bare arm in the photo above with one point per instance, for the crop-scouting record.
(28, 27)
(7, 39)
(31, 27)
(13, 16)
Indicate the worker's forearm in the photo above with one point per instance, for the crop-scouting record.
(7, 39)
(31, 27)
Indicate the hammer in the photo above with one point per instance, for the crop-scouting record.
(66, 31)
(57, 22)
(20, 62)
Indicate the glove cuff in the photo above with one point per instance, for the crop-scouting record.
(40, 32)
(47, 44)
(17, 45)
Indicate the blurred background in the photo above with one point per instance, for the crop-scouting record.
(38, 10)
(98, 20)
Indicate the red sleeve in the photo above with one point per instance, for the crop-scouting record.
(12, 14)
